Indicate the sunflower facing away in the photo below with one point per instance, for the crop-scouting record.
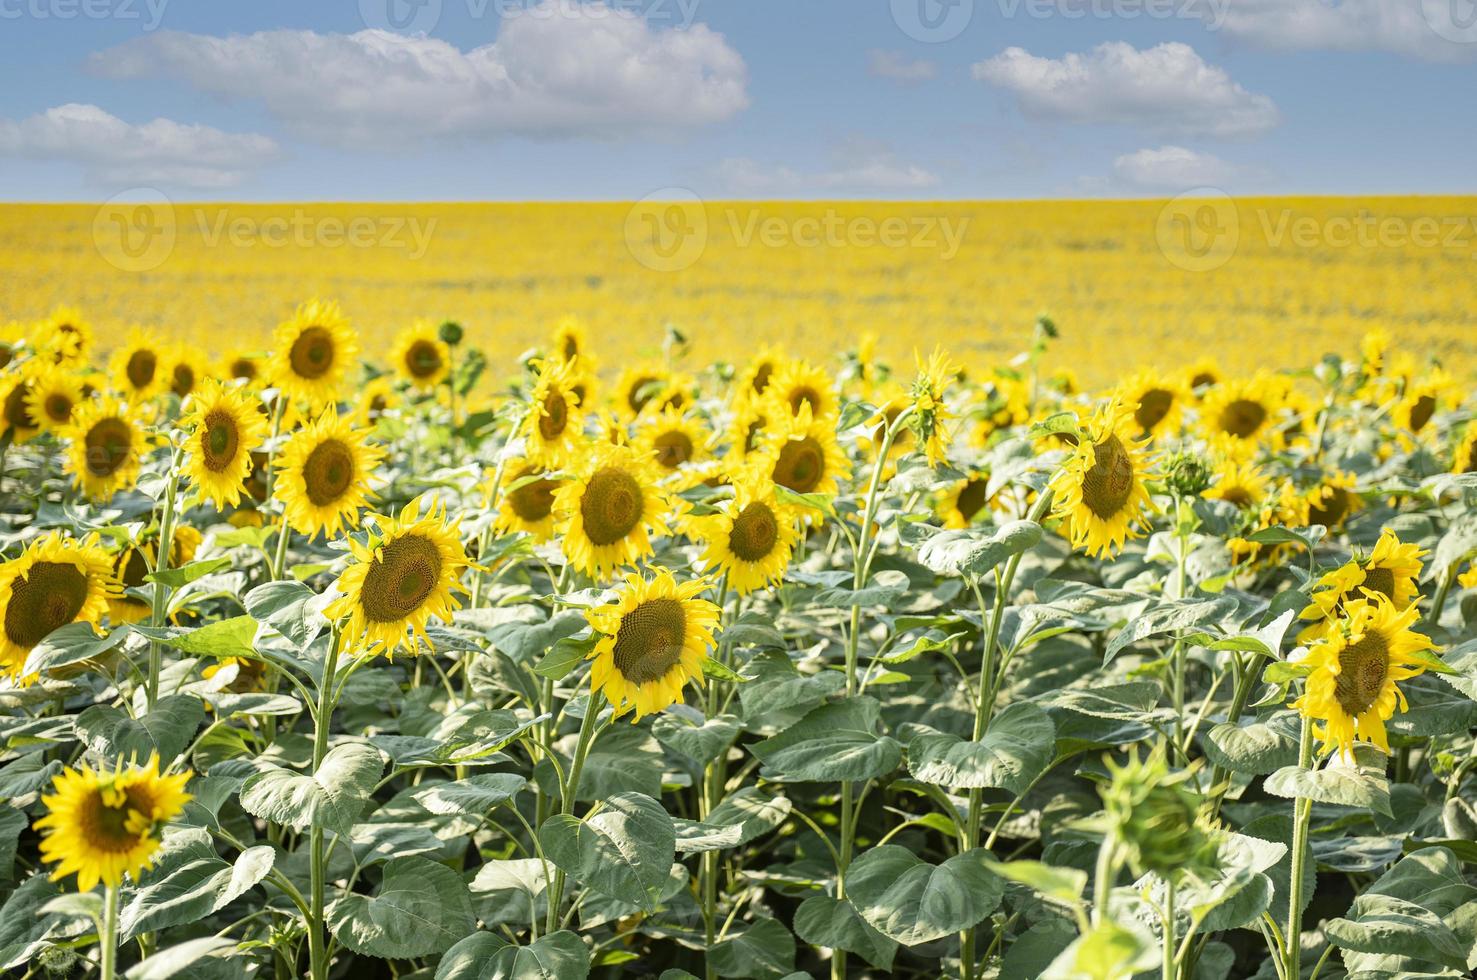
(555, 426)
(801, 453)
(1391, 570)
(527, 504)
(654, 639)
(420, 356)
(55, 581)
(107, 447)
(312, 352)
(136, 368)
(323, 475)
(963, 502)
(1355, 667)
(610, 511)
(1099, 492)
(751, 537)
(102, 825)
(400, 580)
(1157, 402)
(226, 426)
(15, 399)
(52, 397)
(930, 414)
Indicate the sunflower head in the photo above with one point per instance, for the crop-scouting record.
(138, 367)
(640, 389)
(225, 426)
(610, 510)
(324, 475)
(103, 825)
(243, 366)
(752, 535)
(420, 356)
(965, 501)
(1238, 415)
(654, 639)
(312, 352)
(65, 337)
(52, 397)
(1391, 570)
(1157, 402)
(1239, 483)
(929, 411)
(570, 341)
(801, 453)
(527, 503)
(554, 427)
(672, 440)
(1422, 400)
(1099, 493)
(184, 370)
(16, 388)
(55, 581)
(754, 381)
(798, 385)
(107, 446)
(1333, 500)
(1464, 460)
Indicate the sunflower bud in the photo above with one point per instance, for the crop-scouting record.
(450, 333)
(1188, 474)
(1160, 822)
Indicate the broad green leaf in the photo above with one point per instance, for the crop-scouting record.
(69, 645)
(911, 901)
(974, 552)
(487, 956)
(332, 798)
(175, 960)
(752, 810)
(823, 920)
(185, 574)
(1065, 885)
(832, 743)
(764, 949)
(166, 731)
(1383, 924)
(525, 641)
(1018, 744)
(701, 741)
(625, 851)
(1108, 952)
(1254, 748)
(473, 796)
(512, 891)
(188, 882)
(562, 658)
(420, 908)
(1360, 787)
(1165, 617)
(885, 588)
(233, 637)
(286, 607)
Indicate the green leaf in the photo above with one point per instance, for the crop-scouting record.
(1167, 616)
(512, 891)
(625, 851)
(472, 796)
(1108, 952)
(286, 607)
(71, 644)
(885, 588)
(167, 730)
(176, 959)
(1346, 787)
(524, 641)
(1255, 748)
(233, 637)
(911, 901)
(188, 882)
(823, 920)
(420, 908)
(1017, 746)
(974, 552)
(332, 798)
(1065, 885)
(753, 811)
(487, 956)
(832, 743)
(185, 574)
(1383, 924)
(562, 658)
(764, 949)
(702, 741)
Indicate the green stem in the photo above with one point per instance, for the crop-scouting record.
(1244, 682)
(1169, 950)
(1102, 880)
(1302, 810)
(161, 591)
(108, 937)
(317, 937)
(567, 796)
(1439, 602)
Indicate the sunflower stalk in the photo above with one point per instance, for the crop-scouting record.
(108, 934)
(161, 565)
(567, 793)
(322, 720)
(1302, 810)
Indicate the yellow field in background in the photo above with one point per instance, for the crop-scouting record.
(1253, 283)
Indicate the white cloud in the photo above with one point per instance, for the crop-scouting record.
(1424, 29)
(1173, 168)
(857, 166)
(899, 67)
(159, 152)
(1167, 88)
(560, 69)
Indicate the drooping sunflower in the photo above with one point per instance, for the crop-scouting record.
(103, 825)
(1392, 570)
(751, 537)
(106, 448)
(323, 476)
(420, 356)
(654, 639)
(136, 368)
(609, 512)
(801, 453)
(225, 426)
(52, 397)
(672, 440)
(65, 336)
(1238, 482)
(57, 580)
(799, 383)
(554, 428)
(1157, 402)
(135, 561)
(1352, 689)
(403, 578)
(1237, 414)
(15, 398)
(1464, 460)
(930, 417)
(965, 501)
(1099, 492)
(1333, 500)
(527, 504)
(312, 352)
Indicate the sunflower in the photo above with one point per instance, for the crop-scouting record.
(746, 432)
(401, 579)
(1007, 404)
(801, 453)
(1332, 501)
(102, 825)
(312, 352)
(527, 504)
(420, 356)
(55, 581)
(136, 367)
(639, 387)
(672, 440)
(376, 399)
(1099, 491)
(654, 639)
(65, 336)
(242, 365)
(1157, 402)
(554, 427)
(1236, 414)
(1464, 460)
(570, 341)
(12, 338)
(892, 398)
(15, 399)
(132, 563)
(1391, 570)
(798, 384)
(929, 411)
(1238, 482)
(107, 447)
(226, 426)
(754, 380)
(965, 501)
(323, 475)
(1372, 350)
(1202, 376)
(52, 397)
(609, 512)
(1355, 668)
(1422, 400)
(751, 537)
(184, 369)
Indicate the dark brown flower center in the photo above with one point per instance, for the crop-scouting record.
(1237, 495)
(141, 367)
(762, 374)
(109, 444)
(1202, 379)
(673, 448)
(16, 415)
(1421, 412)
(801, 464)
(1381, 580)
(571, 347)
(131, 568)
(555, 417)
(104, 827)
(312, 353)
(649, 641)
(611, 505)
(48, 598)
(754, 533)
(423, 359)
(398, 582)
(243, 368)
(1154, 404)
(1362, 670)
(221, 441)
(642, 390)
(1108, 482)
(328, 472)
(972, 499)
(58, 407)
(1242, 418)
(184, 380)
(533, 501)
(1332, 508)
(805, 395)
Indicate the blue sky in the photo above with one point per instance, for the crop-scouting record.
(618, 99)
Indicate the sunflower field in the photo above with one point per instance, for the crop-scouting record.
(338, 659)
